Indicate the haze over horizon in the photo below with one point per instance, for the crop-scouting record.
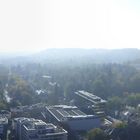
(31, 26)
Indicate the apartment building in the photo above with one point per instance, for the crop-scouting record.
(90, 101)
(33, 129)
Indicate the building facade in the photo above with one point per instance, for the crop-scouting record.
(3, 127)
(33, 129)
(72, 117)
(86, 100)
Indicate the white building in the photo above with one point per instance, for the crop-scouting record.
(71, 116)
(88, 100)
(33, 129)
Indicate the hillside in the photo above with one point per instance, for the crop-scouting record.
(76, 55)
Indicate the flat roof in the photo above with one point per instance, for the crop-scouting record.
(64, 112)
(90, 97)
(30, 125)
(35, 124)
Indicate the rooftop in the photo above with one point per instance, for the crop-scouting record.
(64, 112)
(90, 97)
(31, 124)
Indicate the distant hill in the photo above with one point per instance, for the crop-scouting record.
(78, 55)
(95, 55)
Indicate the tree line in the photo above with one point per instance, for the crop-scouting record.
(62, 80)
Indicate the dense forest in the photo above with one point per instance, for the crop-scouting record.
(56, 79)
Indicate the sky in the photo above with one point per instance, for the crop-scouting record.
(33, 25)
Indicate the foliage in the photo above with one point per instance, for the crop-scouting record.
(3, 105)
(105, 80)
(115, 103)
(128, 131)
(133, 99)
(97, 134)
(118, 103)
(20, 91)
(120, 125)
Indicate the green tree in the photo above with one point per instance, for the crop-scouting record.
(120, 125)
(133, 99)
(19, 90)
(115, 103)
(97, 134)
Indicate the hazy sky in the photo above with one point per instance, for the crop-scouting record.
(38, 24)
